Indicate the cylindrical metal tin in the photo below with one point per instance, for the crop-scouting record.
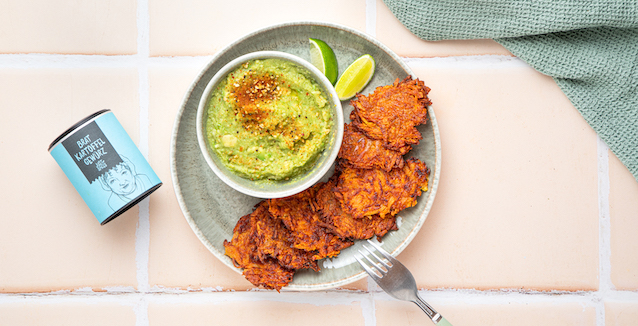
(104, 165)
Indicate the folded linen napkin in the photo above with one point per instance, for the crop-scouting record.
(590, 48)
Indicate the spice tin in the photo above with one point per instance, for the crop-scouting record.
(104, 165)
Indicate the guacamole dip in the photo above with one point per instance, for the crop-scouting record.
(268, 119)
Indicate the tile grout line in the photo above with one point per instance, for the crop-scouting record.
(141, 311)
(327, 297)
(371, 17)
(368, 303)
(44, 60)
(604, 231)
(468, 62)
(143, 232)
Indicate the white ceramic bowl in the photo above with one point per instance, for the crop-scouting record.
(272, 189)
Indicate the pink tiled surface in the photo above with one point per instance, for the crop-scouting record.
(533, 223)
(68, 26)
(621, 313)
(623, 213)
(508, 185)
(469, 314)
(195, 26)
(76, 313)
(256, 313)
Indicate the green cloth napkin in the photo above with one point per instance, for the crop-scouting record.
(589, 47)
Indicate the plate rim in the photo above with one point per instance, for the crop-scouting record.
(175, 130)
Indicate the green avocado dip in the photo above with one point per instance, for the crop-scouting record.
(268, 120)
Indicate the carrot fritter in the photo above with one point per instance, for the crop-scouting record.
(303, 221)
(270, 275)
(391, 113)
(259, 242)
(342, 223)
(366, 192)
(363, 152)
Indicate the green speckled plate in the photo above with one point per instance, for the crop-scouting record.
(212, 208)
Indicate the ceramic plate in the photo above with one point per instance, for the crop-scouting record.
(212, 208)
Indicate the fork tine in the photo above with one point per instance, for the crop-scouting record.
(378, 265)
(380, 250)
(373, 273)
(383, 262)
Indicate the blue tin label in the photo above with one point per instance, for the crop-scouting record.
(92, 151)
(105, 167)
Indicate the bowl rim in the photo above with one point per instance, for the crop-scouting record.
(333, 99)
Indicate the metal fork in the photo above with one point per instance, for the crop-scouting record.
(396, 280)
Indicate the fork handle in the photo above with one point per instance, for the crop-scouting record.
(437, 319)
(443, 322)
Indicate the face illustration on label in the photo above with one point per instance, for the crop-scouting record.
(124, 183)
(121, 180)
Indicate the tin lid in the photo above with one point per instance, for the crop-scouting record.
(75, 126)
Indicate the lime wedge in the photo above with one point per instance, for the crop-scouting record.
(322, 57)
(355, 77)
